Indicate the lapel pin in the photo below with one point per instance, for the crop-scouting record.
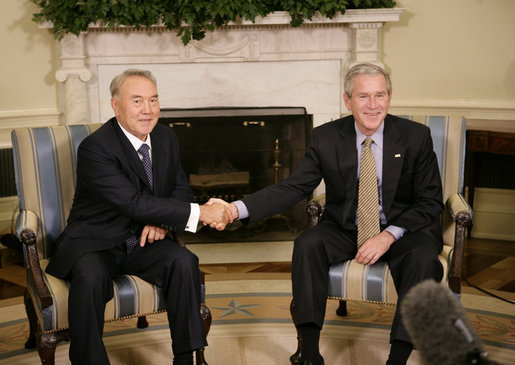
(397, 155)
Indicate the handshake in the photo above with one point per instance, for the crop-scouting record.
(217, 213)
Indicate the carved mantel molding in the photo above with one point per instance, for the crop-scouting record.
(347, 39)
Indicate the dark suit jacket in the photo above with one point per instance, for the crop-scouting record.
(113, 199)
(412, 191)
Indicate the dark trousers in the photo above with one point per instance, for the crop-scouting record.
(163, 263)
(411, 259)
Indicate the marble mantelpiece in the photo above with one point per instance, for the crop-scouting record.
(266, 63)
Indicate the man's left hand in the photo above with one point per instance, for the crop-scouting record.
(151, 234)
(373, 248)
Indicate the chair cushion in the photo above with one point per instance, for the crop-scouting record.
(351, 281)
(133, 297)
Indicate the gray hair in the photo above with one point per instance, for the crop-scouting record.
(118, 80)
(364, 69)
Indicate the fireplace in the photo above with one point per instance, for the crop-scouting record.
(252, 64)
(232, 152)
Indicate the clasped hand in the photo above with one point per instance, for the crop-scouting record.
(217, 213)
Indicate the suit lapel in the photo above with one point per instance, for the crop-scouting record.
(158, 159)
(347, 155)
(131, 155)
(393, 158)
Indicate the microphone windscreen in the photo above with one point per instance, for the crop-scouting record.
(439, 327)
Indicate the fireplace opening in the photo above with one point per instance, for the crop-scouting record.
(231, 152)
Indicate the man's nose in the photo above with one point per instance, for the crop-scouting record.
(146, 107)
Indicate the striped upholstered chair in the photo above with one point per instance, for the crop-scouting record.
(350, 281)
(45, 169)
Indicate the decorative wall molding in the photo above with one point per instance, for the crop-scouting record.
(10, 119)
(480, 114)
(494, 214)
(278, 18)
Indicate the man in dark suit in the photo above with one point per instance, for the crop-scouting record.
(131, 189)
(408, 190)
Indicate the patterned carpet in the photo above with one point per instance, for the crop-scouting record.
(252, 325)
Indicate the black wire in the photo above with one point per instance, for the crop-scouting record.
(487, 292)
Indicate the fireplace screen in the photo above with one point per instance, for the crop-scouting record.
(231, 152)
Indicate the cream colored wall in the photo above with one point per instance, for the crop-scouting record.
(27, 66)
(458, 53)
(441, 53)
(27, 62)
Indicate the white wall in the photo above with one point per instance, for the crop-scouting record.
(447, 51)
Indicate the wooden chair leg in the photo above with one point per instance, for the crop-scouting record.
(296, 358)
(342, 309)
(46, 348)
(33, 321)
(205, 314)
(142, 322)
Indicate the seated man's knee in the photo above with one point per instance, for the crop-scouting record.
(88, 271)
(424, 259)
(307, 243)
(183, 258)
(89, 282)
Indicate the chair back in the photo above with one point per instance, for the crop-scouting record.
(45, 172)
(449, 139)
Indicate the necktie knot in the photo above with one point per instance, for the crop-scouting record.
(143, 150)
(368, 142)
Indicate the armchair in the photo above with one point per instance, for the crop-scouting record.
(351, 281)
(45, 170)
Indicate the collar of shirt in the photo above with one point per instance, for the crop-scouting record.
(136, 142)
(377, 137)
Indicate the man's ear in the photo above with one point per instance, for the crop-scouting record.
(114, 105)
(347, 101)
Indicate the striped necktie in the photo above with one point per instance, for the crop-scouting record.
(368, 198)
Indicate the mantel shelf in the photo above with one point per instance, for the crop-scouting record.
(281, 18)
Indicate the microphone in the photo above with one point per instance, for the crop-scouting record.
(439, 327)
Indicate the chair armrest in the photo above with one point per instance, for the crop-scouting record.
(459, 208)
(314, 210)
(461, 213)
(26, 231)
(26, 220)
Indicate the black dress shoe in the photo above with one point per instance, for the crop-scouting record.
(183, 359)
(309, 362)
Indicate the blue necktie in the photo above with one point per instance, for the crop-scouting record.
(133, 241)
(147, 164)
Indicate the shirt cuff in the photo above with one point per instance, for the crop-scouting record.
(243, 212)
(397, 232)
(191, 225)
